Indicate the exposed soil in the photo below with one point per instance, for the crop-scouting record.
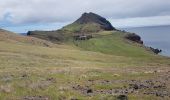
(158, 87)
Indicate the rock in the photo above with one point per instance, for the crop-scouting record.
(134, 86)
(134, 37)
(51, 80)
(24, 75)
(156, 51)
(89, 91)
(122, 97)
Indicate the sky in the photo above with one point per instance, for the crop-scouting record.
(23, 15)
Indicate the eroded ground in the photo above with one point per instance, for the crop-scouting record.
(74, 83)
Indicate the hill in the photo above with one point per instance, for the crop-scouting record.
(90, 22)
(8, 36)
(90, 30)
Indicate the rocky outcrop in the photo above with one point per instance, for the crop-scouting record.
(94, 18)
(134, 37)
(156, 51)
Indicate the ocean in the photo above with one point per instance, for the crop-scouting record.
(154, 36)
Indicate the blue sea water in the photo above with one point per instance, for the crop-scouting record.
(154, 36)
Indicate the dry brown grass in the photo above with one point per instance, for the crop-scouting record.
(15, 38)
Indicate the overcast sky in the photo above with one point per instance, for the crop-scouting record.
(24, 15)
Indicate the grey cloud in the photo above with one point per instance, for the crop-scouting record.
(141, 21)
(45, 11)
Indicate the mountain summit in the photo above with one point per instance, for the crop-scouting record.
(90, 22)
(94, 18)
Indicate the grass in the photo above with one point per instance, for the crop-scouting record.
(36, 70)
(89, 27)
(113, 43)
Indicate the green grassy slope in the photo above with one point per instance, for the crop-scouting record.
(33, 71)
(36, 71)
(114, 43)
(75, 27)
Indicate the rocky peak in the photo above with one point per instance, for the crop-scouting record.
(94, 18)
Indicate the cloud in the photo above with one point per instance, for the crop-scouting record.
(47, 11)
(141, 21)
